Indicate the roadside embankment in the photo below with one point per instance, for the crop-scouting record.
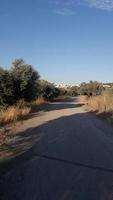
(102, 105)
(10, 115)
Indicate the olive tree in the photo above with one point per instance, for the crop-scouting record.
(25, 80)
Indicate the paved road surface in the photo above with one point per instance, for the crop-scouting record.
(71, 157)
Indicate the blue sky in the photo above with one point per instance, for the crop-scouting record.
(68, 41)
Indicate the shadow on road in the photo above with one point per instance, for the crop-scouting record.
(53, 106)
(56, 136)
(47, 167)
(40, 136)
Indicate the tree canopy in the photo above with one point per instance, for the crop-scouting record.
(25, 80)
(21, 81)
(91, 88)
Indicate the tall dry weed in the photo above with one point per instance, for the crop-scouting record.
(101, 103)
(83, 99)
(12, 114)
(18, 111)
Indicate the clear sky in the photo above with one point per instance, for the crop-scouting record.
(68, 41)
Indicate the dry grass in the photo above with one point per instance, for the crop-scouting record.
(83, 99)
(39, 101)
(12, 114)
(18, 111)
(102, 103)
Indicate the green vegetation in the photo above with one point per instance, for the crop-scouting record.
(25, 80)
(91, 88)
(21, 90)
(22, 81)
(6, 88)
(48, 90)
(72, 91)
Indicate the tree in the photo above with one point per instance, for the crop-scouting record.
(48, 90)
(83, 89)
(25, 80)
(72, 91)
(6, 88)
(91, 88)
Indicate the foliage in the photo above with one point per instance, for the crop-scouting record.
(62, 91)
(21, 81)
(91, 88)
(72, 91)
(25, 80)
(6, 88)
(48, 90)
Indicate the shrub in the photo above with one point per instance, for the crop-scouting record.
(48, 90)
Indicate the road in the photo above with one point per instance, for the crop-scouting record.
(67, 155)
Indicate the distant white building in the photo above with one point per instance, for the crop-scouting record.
(62, 85)
(106, 86)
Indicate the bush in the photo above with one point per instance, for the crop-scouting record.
(6, 88)
(48, 90)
